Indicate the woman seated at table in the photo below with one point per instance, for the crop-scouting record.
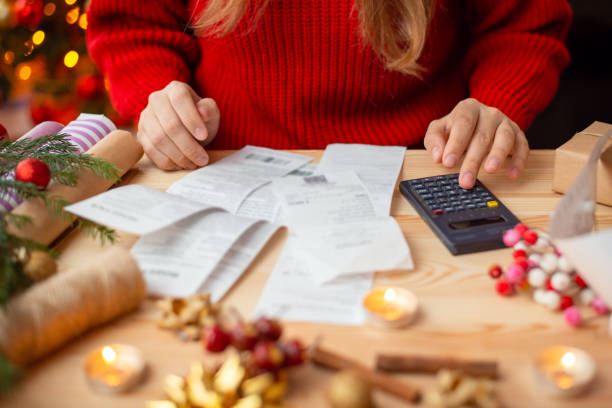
(462, 77)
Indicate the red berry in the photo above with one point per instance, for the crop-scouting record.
(519, 253)
(530, 237)
(504, 288)
(520, 228)
(579, 281)
(269, 329)
(267, 355)
(522, 262)
(495, 271)
(566, 301)
(244, 336)
(33, 171)
(294, 352)
(215, 339)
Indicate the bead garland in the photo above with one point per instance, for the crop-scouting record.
(538, 265)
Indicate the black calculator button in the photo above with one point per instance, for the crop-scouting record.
(481, 205)
(470, 206)
(426, 196)
(449, 209)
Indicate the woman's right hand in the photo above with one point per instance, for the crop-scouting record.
(175, 126)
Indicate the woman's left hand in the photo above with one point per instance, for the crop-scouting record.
(484, 134)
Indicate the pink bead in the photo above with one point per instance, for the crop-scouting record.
(599, 306)
(572, 316)
(511, 237)
(515, 274)
(531, 263)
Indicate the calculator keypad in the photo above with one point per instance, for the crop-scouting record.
(443, 195)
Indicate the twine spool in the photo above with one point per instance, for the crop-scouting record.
(56, 310)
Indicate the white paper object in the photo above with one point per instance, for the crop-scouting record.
(377, 166)
(229, 181)
(292, 294)
(136, 209)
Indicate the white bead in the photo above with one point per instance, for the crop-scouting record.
(521, 245)
(548, 263)
(586, 296)
(537, 258)
(536, 277)
(552, 300)
(564, 264)
(544, 234)
(560, 281)
(539, 295)
(542, 243)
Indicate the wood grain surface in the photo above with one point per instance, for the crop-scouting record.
(461, 316)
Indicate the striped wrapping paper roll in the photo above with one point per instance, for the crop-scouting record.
(83, 132)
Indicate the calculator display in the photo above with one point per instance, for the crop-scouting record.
(466, 221)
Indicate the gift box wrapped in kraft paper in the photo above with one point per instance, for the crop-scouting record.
(572, 156)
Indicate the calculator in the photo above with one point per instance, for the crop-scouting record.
(466, 221)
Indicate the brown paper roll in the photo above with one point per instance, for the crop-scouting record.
(119, 148)
(56, 310)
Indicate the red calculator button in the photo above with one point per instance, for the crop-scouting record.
(438, 211)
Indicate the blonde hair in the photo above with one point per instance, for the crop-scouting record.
(395, 29)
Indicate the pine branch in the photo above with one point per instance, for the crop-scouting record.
(102, 233)
(9, 375)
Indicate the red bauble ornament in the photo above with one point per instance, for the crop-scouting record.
(33, 171)
(29, 12)
(3, 133)
(90, 86)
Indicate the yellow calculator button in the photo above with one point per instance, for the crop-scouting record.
(492, 204)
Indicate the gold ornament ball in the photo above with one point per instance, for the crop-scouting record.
(348, 390)
(40, 266)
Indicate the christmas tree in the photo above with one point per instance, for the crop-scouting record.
(43, 54)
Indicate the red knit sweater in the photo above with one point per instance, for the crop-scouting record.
(303, 79)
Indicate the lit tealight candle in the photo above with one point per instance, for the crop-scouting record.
(114, 368)
(564, 371)
(390, 307)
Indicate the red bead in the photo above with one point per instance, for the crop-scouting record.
(579, 281)
(33, 171)
(519, 253)
(530, 237)
(495, 271)
(566, 301)
(549, 285)
(520, 228)
(504, 288)
(522, 262)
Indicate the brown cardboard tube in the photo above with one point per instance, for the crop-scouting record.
(119, 148)
(53, 311)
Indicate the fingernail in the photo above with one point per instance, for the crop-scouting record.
(435, 152)
(199, 134)
(467, 179)
(493, 164)
(202, 160)
(514, 172)
(450, 160)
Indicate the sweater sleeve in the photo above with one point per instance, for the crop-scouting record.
(516, 54)
(140, 46)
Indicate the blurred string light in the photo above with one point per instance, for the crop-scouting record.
(38, 37)
(70, 2)
(9, 57)
(49, 9)
(29, 47)
(73, 15)
(71, 58)
(83, 21)
(25, 72)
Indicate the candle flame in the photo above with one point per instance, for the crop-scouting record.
(568, 359)
(108, 354)
(390, 295)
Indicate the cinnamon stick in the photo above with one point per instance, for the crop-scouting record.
(421, 364)
(382, 381)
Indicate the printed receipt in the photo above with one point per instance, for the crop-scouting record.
(228, 182)
(377, 166)
(292, 294)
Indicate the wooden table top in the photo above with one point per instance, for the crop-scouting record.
(461, 314)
